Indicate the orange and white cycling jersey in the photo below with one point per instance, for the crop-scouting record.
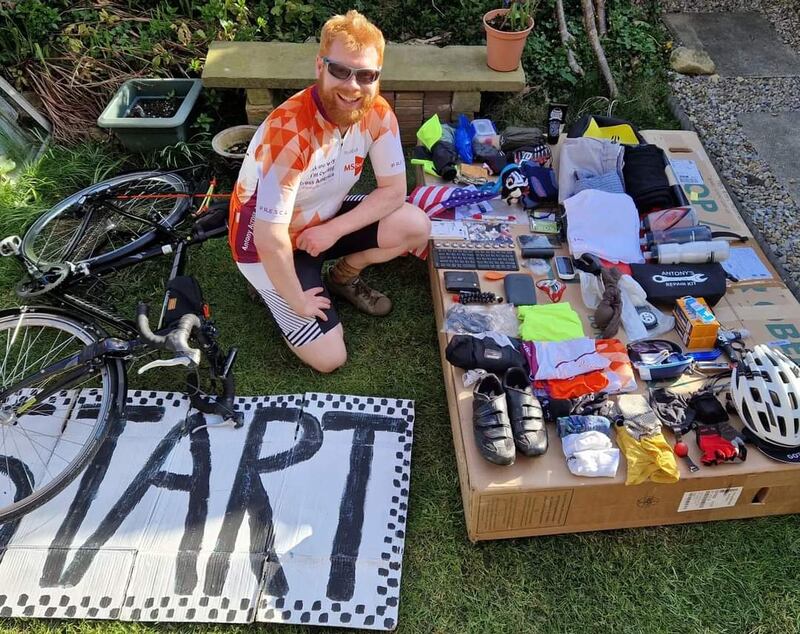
(299, 167)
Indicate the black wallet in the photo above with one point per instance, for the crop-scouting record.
(520, 289)
(535, 246)
(455, 281)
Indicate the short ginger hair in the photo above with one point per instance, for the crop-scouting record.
(355, 31)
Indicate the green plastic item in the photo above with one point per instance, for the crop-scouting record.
(430, 132)
(427, 166)
(141, 134)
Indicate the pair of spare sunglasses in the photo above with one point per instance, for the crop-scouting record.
(364, 76)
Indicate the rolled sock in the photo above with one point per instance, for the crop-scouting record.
(588, 440)
(594, 463)
(343, 272)
(640, 419)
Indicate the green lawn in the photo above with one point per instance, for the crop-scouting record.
(736, 576)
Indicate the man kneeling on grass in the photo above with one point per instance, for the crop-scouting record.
(290, 210)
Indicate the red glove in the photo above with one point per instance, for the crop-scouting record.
(715, 448)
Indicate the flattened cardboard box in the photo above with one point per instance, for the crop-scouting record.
(539, 496)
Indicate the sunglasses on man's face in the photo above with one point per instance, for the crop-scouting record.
(364, 76)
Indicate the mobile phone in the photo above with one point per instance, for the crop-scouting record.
(564, 267)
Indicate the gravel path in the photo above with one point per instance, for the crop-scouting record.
(783, 14)
(712, 105)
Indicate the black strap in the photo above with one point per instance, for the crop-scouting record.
(729, 234)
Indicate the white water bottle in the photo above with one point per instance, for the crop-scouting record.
(691, 252)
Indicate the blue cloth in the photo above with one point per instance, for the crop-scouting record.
(577, 424)
(542, 184)
(609, 182)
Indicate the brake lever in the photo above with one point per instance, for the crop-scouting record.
(181, 359)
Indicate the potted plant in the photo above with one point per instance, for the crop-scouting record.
(148, 114)
(506, 32)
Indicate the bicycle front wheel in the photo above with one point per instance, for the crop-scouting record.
(47, 437)
(117, 222)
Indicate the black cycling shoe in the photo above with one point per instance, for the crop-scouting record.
(525, 413)
(490, 421)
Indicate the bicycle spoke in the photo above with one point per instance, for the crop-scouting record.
(27, 475)
(50, 356)
(45, 463)
(37, 427)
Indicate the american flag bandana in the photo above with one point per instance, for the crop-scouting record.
(435, 200)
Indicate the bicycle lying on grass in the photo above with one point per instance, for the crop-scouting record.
(49, 353)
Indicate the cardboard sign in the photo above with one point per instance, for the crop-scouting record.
(298, 517)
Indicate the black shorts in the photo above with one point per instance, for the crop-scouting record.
(298, 330)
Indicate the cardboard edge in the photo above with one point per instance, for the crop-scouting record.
(686, 124)
(452, 408)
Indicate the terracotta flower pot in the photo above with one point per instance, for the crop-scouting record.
(504, 49)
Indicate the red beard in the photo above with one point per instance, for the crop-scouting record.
(342, 116)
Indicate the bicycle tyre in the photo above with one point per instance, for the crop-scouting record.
(65, 226)
(42, 430)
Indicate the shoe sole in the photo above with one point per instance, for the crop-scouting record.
(503, 462)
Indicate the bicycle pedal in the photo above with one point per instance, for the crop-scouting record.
(10, 246)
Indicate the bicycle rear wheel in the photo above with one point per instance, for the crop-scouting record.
(90, 233)
(45, 445)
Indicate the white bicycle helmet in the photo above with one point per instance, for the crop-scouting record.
(765, 387)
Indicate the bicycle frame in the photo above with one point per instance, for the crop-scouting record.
(159, 242)
(176, 245)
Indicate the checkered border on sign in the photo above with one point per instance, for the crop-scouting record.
(57, 604)
(61, 603)
(203, 609)
(348, 613)
(285, 401)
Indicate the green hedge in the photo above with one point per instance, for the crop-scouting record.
(174, 37)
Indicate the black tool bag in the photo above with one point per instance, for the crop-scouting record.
(468, 352)
(184, 296)
(664, 283)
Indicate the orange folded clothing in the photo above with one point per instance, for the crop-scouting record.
(588, 383)
(618, 377)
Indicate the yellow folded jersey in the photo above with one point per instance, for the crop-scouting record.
(650, 458)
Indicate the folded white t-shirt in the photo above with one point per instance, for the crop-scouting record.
(590, 454)
(604, 224)
(566, 359)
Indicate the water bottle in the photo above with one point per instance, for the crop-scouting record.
(681, 235)
(690, 252)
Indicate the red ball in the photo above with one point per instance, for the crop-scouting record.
(681, 450)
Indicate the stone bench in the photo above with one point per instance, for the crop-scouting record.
(417, 81)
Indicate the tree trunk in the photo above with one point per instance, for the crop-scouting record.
(567, 38)
(594, 40)
(601, 16)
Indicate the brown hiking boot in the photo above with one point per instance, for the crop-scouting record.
(364, 298)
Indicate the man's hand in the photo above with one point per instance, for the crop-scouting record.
(315, 240)
(314, 304)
